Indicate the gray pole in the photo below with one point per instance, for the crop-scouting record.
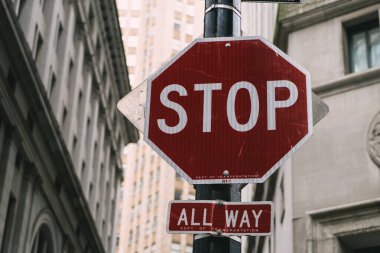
(222, 19)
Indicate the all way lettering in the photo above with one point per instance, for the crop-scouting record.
(227, 218)
(232, 217)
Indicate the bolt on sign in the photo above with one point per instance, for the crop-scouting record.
(228, 110)
(220, 218)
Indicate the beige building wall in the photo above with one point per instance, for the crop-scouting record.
(259, 19)
(153, 32)
(327, 196)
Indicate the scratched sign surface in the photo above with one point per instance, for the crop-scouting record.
(223, 218)
(228, 110)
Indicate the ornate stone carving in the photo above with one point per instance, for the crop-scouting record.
(374, 139)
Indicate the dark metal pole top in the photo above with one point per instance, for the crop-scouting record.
(222, 18)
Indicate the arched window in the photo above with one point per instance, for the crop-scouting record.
(43, 242)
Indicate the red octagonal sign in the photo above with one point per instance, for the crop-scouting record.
(228, 110)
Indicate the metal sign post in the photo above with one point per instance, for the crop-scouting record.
(222, 19)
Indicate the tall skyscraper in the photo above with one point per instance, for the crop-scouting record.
(62, 70)
(153, 32)
(156, 30)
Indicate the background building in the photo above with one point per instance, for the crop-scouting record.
(153, 32)
(62, 70)
(327, 196)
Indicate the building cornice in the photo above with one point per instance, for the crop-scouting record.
(119, 63)
(295, 17)
(333, 213)
(349, 82)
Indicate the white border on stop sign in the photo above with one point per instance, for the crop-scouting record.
(228, 180)
(224, 203)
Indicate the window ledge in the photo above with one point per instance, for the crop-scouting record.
(349, 82)
(330, 212)
(349, 227)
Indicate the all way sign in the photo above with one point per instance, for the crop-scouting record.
(220, 218)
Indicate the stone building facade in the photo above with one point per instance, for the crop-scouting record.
(62, 71)
(327, 196)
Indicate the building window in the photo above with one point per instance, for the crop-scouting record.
(177, 194)
(151, 177)
(53, 81)
(369, 250)
(74, 144)
(42, 242)
(64, 116)
(282, 200)
(177, 27)
(130, 237)
(59, 36)
(21, 7)
(37, 43)
(83, 170)
(43, 4)
(90, 192)
(364, 45)
(71, 73)
(175, 248)
(137, 232)
(9, 223)
(80, 106)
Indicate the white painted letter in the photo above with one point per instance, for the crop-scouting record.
(257, 216)
(174, 106)
(231, 218)
(205, 223)
(207, 102)
(244, 219)
(182, 217)
(231, 113)
(193, 223)
(272, 104)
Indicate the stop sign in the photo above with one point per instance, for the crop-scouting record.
(228, 110)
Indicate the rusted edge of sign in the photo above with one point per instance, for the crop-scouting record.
(215, 232)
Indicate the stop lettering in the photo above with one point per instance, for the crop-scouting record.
(208, 89)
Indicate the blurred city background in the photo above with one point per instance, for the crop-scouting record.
(75, 175)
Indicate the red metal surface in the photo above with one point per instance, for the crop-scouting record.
(248, 156)
(230, 218)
